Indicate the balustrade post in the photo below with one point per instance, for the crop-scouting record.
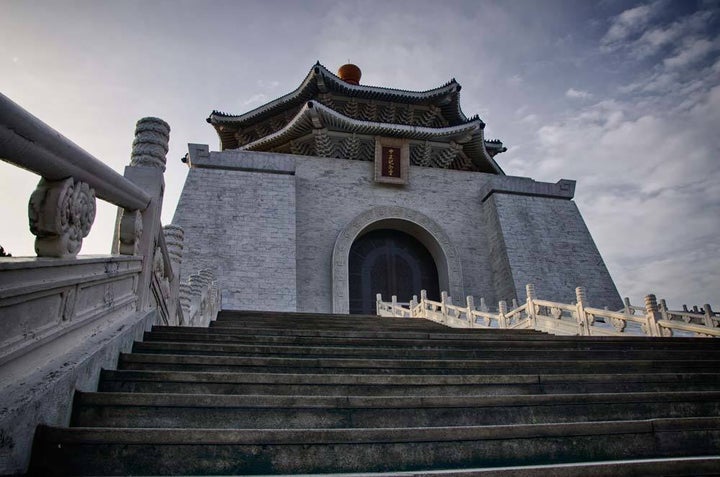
(394, 305)
(628, 310)
(530, 308)
(483, 306)
(663, 308)
(378, 302)
(707, 318)
(443, 306)
(502, 311)
(470, 301)
(582, 320)
(135, 234)
(174, 239)
(413, 304)
(423, 304)
(652, 314)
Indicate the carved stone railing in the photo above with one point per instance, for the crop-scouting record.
(200, 298)
(64, 317)
(61, 212)
(560, 318)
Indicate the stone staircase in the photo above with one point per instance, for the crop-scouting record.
(288, 393)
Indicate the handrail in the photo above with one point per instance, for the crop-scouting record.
(548, 316)
(31, 144)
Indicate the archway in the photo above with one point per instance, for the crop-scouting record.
(389, 262)
(418, 225)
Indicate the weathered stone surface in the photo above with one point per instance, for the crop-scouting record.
(269, 223)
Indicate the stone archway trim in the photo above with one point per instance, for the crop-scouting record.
(351, 231)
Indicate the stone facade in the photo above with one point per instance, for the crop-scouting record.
(270, 222)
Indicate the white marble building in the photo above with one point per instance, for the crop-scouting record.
(337, 191)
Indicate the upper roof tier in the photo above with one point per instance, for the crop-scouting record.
(432, 115)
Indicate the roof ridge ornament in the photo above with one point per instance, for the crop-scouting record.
(350, 73)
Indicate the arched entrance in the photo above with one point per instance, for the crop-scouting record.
(389, 262)
(414, 223)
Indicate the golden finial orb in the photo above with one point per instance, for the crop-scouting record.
(350, 73)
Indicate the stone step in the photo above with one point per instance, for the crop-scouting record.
(400, 384)
(427, 326)
(291, 319)
(446, 334)
(483, 352)
(622, 344)
(356, 320)
(177, 362)
(86, 451)
(379, 332)
(315, 412)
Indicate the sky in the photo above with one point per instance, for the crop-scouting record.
(621, 96)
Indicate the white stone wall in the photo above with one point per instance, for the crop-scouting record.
(271, 233)
(548, 244)
(332, 192)
(241, 224)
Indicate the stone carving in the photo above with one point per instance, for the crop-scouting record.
(61, 214)
(369, 112)
(109, 295)
(429, 116)
(350, 147)
(151, 143)
(351, 108)
(421, 155)
(406, 116)
(323, 143)
(200, 298)
(69, 304)
(174, 239)
(387, 115)
(444, 157)
(326, 99)
(300, 148)
(618, 324)
(159, 271)
(348, 235)
(131, 228)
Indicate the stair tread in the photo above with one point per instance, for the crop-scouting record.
(98, 435)
(259, 401)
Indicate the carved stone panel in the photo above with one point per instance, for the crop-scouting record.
(61, 214)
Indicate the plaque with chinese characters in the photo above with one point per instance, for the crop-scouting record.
(392, 158)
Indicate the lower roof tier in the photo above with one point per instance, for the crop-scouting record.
(319, 130)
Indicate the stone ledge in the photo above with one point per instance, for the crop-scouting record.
(562, 189)
(199, 156)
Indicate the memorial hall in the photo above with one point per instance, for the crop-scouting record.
(337, 191)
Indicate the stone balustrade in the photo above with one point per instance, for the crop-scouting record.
(652, 319)
(64, 317)
(200, 298)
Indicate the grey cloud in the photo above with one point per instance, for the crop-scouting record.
(628, 23)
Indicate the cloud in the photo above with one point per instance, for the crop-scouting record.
(693, 51)
(627, 24)
(515, 80)
(660, 37)
(577, 94)
(649, 188)
(265, 84)
(256, 98)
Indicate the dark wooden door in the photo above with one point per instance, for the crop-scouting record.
(392, 263)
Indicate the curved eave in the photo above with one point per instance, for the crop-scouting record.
(315, 115)
(309, 88)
